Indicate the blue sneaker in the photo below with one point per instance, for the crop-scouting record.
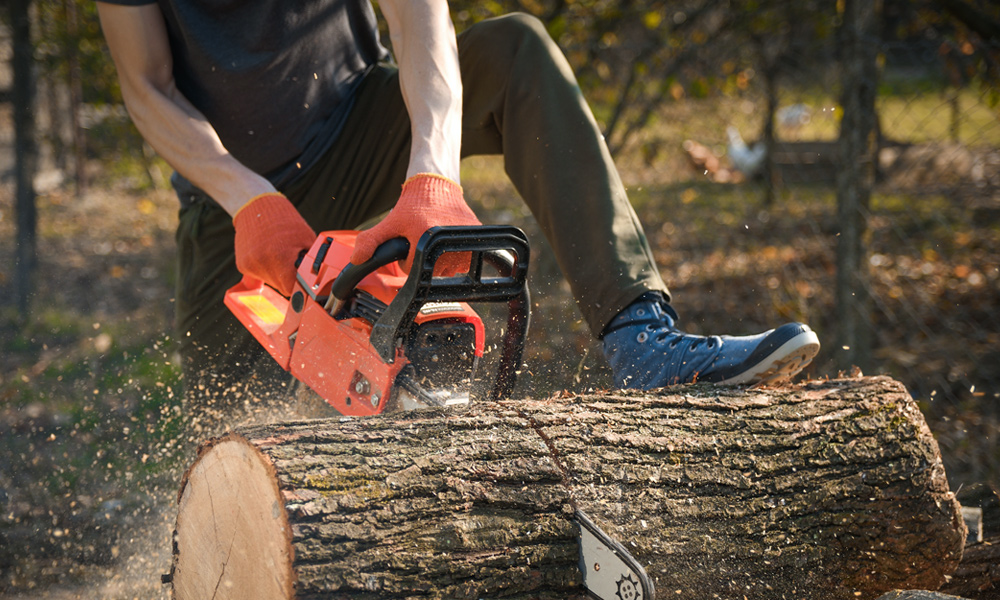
(647, 351)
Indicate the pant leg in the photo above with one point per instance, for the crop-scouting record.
(522, 100)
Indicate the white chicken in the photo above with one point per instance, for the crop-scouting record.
(745, 158)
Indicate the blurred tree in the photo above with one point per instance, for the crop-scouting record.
(789, 40)
(75, 82)
(81, 81)
(971, 49)
(965, 36)
(22, 97)
(55, 42)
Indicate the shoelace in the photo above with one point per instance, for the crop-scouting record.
(661, 317)
(678, 336)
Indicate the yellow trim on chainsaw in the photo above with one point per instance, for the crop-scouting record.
(263, 308)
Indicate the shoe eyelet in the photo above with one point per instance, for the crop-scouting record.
(672, 345)
(640, 312)
(650, 328)
(642, 337)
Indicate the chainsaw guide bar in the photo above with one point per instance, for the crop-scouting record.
(609, 571)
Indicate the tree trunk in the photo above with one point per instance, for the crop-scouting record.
(771, 178)
(828, 490)
(25, 146)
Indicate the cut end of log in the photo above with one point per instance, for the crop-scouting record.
(232, 538)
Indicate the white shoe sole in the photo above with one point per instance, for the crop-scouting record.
(782, 364)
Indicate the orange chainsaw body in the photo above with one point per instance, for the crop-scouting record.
(327, 341)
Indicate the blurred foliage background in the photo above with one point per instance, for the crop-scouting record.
(724, 117)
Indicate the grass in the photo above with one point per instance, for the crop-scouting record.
(89, 434)
(961, 117)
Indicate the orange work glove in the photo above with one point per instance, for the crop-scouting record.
(270, 234)
(427, 200)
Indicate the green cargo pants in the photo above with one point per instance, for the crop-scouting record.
(520, 100)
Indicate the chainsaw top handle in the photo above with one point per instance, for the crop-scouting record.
(502, 247)
(386, 253)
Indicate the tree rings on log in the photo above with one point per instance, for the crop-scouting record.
(233, 525)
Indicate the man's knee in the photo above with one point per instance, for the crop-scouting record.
(508, 38)
(519, 24)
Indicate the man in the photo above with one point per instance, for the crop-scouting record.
(285, 118)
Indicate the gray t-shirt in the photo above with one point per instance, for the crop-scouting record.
(275, 78)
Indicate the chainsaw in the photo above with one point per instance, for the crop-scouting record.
(370, 338)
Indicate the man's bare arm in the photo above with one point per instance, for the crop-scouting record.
(423, 40)
(137, 38)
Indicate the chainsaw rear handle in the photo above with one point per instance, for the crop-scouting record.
(503, 247)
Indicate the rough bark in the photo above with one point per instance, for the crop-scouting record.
(828, 490)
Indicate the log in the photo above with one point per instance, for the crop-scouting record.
(831, 489)
(978, 575)
(917, 595)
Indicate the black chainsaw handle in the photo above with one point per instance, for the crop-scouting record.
(388, 252)
(503, 247)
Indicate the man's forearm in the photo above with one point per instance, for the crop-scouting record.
(423, 39)
(178, 132)
(186, 140)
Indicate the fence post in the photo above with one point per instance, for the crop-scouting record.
(857, 148)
